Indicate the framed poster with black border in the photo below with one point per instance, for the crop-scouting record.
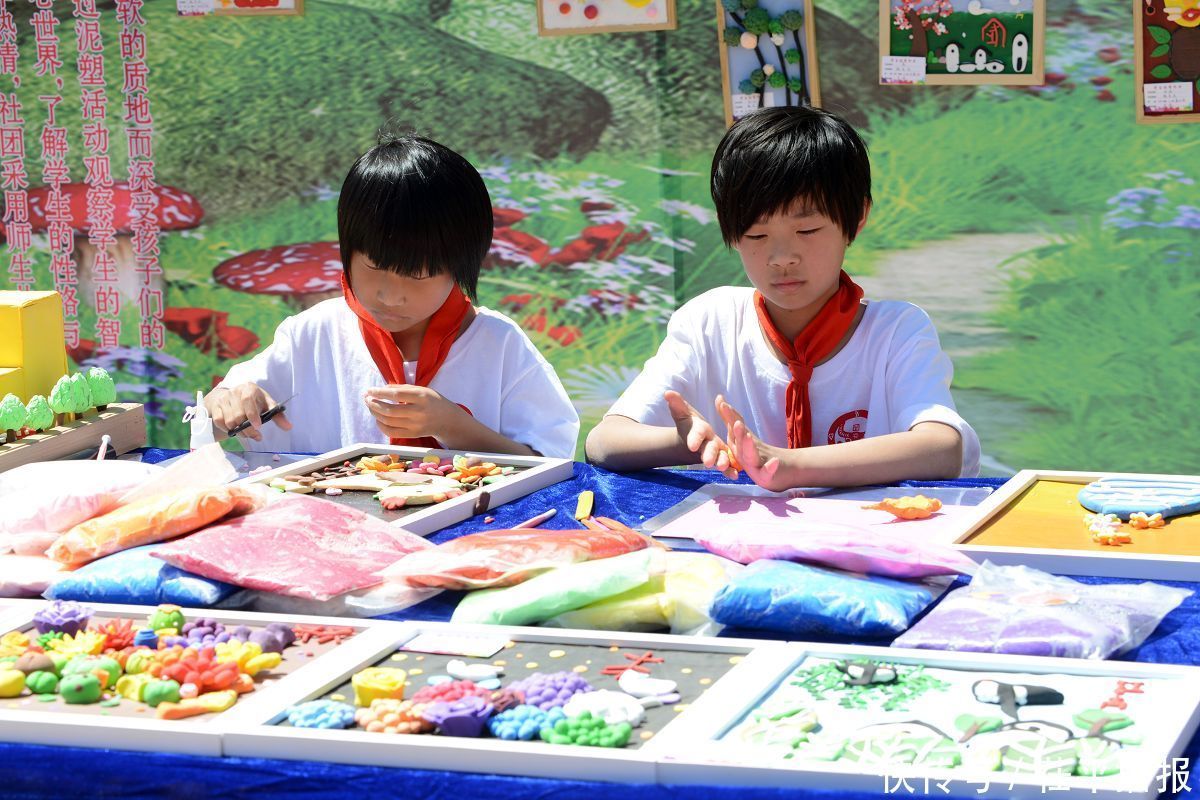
(962, 42)
(768, 55)
(1166, 63)
(570, 17)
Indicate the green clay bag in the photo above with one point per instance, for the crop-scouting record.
(551, 593)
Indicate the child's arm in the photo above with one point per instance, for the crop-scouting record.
(412, 412)
(623, 444)
(927, 451)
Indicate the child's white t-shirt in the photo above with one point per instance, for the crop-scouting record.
(891, 375)
(320, 356)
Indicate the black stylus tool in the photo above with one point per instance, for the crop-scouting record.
(265, 417)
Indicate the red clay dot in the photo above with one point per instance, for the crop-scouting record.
(564, 8)
(590, 12)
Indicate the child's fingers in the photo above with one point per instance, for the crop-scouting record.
(722, 462)
(712, 451)
(680, 409)
(251, 407)
(282, 421)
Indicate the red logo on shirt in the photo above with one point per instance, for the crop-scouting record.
(849, 427)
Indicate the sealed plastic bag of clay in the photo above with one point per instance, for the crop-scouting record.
(839, 546)
(676, 598)
(199, 469)
(1024, 611)
(40, 501)
(156, 518)
(491, 559)
(28, 576)
(301, 546)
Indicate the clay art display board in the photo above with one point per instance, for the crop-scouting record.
(718, 506)
(504, 700)
(1036, 519)
(864, 719)
(564, 17)
(962, 42)
(768, 55)
(81, 692)
(419, 489)
(1166, 64)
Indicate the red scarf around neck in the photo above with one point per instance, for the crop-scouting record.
(442, 331)
(813, 344)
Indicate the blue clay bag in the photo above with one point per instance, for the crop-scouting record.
(799, 599)
(135, 576)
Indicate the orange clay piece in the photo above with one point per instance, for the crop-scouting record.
(1111, 539)
(1141, 521)
(919, 507)
(387, 715)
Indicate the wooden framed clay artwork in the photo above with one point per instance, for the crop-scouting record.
(768, 55)
(1166, 63)
(422, 490)
(631, 687)
(567, 17)
(891, 720)
(74, 694)
(964, 42)
(1037, 519)
(245, 8)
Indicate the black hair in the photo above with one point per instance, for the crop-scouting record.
(416, 207)
(774, 157)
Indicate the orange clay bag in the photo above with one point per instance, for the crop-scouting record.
(153, 519)
(507, 557)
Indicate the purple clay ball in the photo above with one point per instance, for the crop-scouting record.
(550, 691)
(285, 631)
(62, 615)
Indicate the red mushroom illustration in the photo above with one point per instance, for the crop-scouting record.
(302, 274)
(177, 211)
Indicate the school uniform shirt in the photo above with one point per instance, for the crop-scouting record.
(319, 356)
(891, 375)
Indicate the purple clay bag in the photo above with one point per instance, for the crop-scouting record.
(1023, 611)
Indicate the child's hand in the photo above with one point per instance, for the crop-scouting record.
(699, 436)
(405, 411)
(761, 461)
(231, 407)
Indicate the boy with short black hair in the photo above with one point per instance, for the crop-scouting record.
(403, 356)
(800, 360)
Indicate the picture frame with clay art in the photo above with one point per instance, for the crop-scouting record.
(424, 490)
(877, 719)
(43, 710)
(548, 667)
(1038, 519)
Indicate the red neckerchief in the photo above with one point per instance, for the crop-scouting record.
(441, 333)
(813, 344)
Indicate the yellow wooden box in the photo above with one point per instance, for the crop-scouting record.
(33, 353)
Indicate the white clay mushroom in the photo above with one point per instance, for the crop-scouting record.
(461, 670)
(612, 707)
(639, 685)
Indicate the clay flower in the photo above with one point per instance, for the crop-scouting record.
(63, 616)
(465, 717)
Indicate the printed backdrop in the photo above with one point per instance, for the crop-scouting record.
(1055, 243)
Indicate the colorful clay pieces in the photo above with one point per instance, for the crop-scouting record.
(175, 667)
(399, 483)
(885, 717)
(918, 507)
(1170, 497)
(552, 692)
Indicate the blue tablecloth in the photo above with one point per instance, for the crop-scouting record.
(30, 771)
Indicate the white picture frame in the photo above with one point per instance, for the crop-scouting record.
(1100, 561)
(193, 736)
(257, 735)
(537, 473)
(692, 753)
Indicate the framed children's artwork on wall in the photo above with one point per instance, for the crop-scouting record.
(951, 42)
(768, 55)
(1166, 64)
(257, 7)
(566, 17)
